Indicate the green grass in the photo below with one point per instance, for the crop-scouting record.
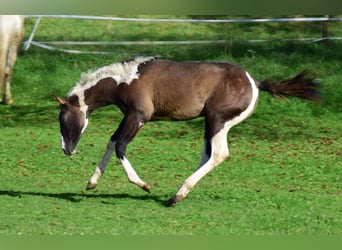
(283, 176)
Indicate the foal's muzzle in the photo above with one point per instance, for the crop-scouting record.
(68, 148)
(69, 152)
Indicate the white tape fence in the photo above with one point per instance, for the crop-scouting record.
(51, 44)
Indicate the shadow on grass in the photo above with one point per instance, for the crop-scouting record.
(78, 197)
(28, 115)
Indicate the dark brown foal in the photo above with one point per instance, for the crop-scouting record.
(147, 89)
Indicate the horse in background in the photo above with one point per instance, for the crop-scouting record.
(11, 34)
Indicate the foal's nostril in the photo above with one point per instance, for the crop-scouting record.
(65, 152)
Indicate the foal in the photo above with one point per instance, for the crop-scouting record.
(147, 89)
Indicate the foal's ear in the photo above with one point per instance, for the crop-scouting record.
(60, 100)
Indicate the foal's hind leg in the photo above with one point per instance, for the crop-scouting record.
(216, 151)
(126, 131)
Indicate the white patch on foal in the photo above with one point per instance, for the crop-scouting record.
(131, 174)
(123, 72)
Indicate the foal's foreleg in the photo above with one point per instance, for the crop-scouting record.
(92, 183)
(128, 128)
(133, 176)
(126, 131)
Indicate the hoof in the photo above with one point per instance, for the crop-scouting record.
(146, 188)
(90, 186)
(171, 202)
(8, 101)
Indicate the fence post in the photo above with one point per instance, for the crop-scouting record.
(27, 44)
(325, 30)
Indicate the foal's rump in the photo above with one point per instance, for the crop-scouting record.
(184, 90)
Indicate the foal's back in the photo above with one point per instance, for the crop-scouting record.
(181, 90)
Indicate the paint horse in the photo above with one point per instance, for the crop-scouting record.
(11, 34)
(147, 89)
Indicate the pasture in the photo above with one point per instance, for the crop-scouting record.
(283, 176)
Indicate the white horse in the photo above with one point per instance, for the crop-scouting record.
(11, 34)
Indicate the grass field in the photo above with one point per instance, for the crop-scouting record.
(283, 176)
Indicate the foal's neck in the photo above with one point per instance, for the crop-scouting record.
(101, 94)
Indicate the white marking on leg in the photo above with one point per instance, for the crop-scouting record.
(131, 174)
(95, 177)
(219, 143)
(103, 164)
(219, 152)
(141, 124)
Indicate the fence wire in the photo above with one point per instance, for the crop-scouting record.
(50, 45)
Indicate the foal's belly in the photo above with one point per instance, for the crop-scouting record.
(183, 112)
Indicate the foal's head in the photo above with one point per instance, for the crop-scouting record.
(73, 121)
